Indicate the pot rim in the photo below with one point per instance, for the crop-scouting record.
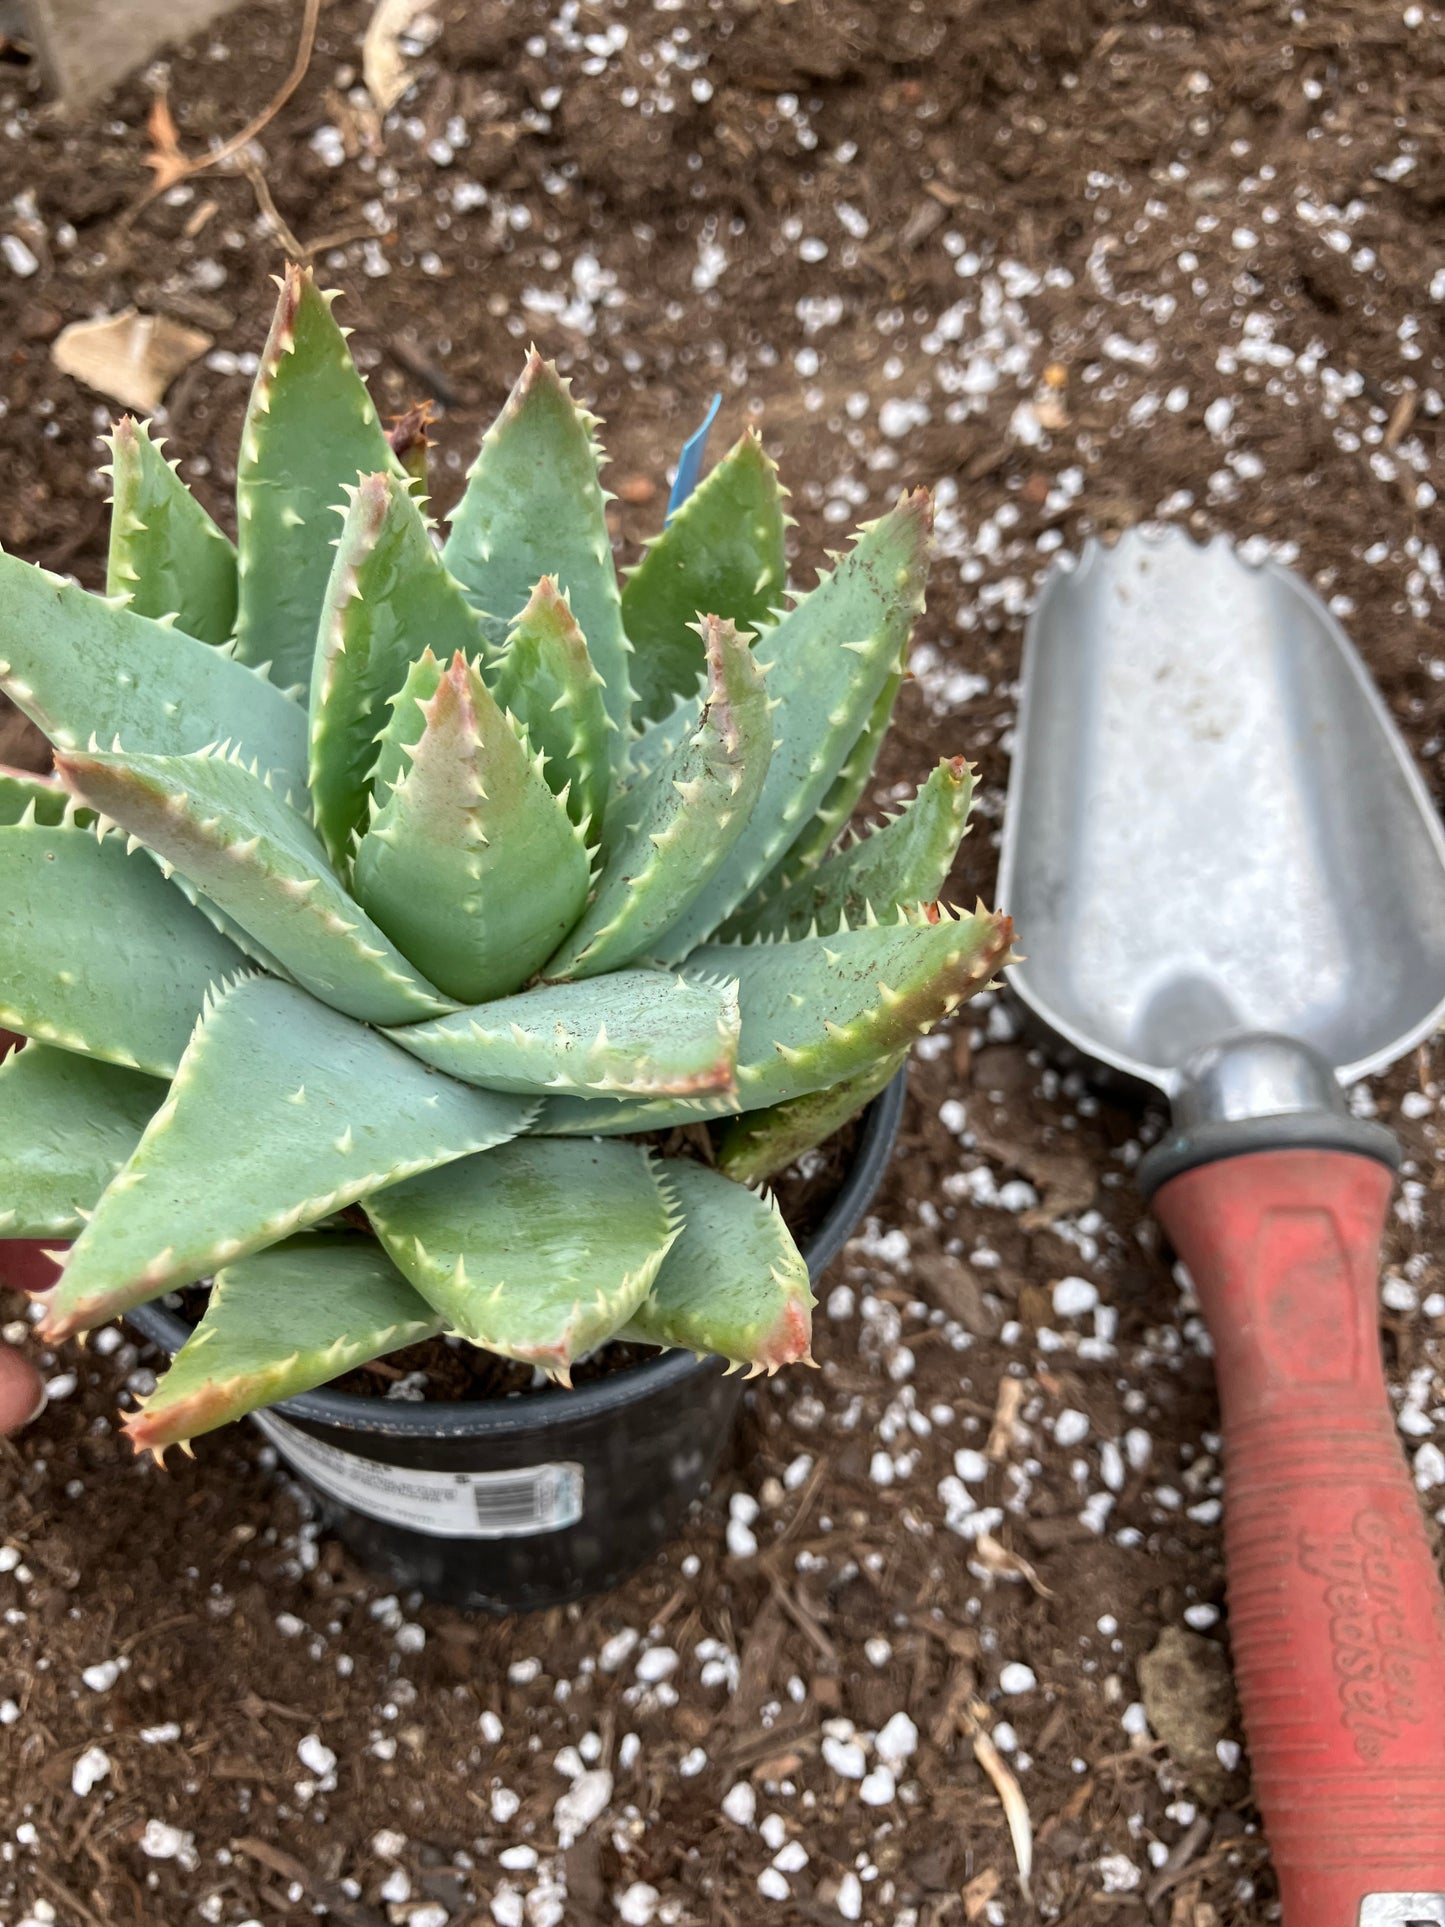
(525, 1418)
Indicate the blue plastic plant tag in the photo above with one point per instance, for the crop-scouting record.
(689, 462)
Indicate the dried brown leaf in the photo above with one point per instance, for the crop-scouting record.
(130, 357)
(385, 68)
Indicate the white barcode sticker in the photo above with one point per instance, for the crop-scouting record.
(514, 1504)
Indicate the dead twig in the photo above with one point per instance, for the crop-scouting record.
(997, 1558)
(803, 1620)
(816, 1480)
(1001, 1436)
(1010, 1793)
(66, 1898)
(296, 248)
(1401, 416)
(269, 210)
(329, 1893)
(1178, 1863)
(171, 165)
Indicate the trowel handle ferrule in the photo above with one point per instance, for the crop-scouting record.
(1336, 1615)
(1258, 1091)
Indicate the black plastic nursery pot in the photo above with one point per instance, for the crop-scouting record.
(513, 1504)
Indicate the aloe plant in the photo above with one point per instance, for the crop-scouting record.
(409, 880)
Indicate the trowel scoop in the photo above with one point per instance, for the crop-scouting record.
(1229, 881)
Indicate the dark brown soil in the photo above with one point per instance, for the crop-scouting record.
(1081, 264)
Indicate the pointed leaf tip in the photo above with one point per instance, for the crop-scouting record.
(533, 505)
(296, 1316)
(734, 1283)
(165, 1221)
(721, 551)
(310, 430)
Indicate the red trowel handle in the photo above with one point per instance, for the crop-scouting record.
(1336, 1614)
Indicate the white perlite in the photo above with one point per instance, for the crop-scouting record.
(583, 1802)
(1070, 1428)
(740, 1804)
(742, 1541)
(104, 1674)
(656, 1664)
(618, 1650)
(89, 1770)
(897, 1741)
(19, 259)
(1017, 1678)
(162, 1842)
(846, 1757)
(1118, 1874)
(637, 1906)
(316, 1756)
(1073, 1297)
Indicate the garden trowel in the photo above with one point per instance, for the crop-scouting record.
(1229, 882)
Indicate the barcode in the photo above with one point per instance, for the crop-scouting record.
(506, 1504)
(450, 1505)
